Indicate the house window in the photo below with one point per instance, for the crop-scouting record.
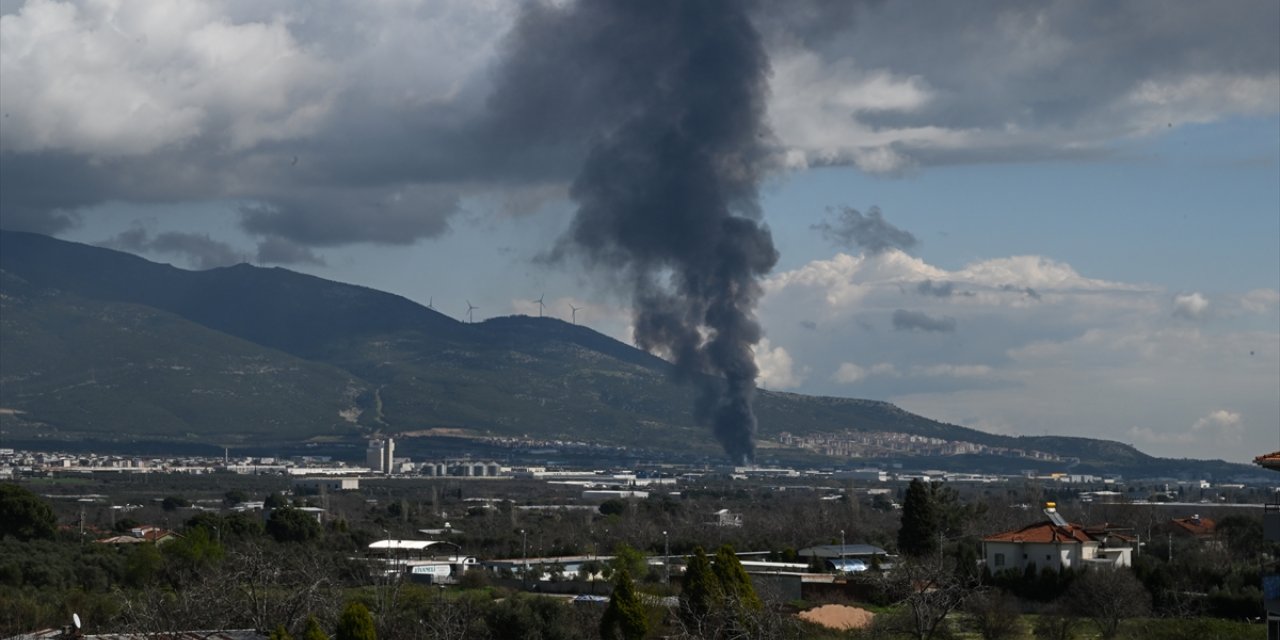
(999, 559)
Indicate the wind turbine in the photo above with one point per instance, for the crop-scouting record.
(575, 313)
(540, 305)
(470, 308)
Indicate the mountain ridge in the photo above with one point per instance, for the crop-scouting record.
(408, 367)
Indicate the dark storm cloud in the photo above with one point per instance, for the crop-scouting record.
(332, 217)
(197, 249)
(904, 320)
(1023, 81)
(43, 192)
(280, 251)
(1058, 65)
(937, 290)
(673, 96)
(870, 232)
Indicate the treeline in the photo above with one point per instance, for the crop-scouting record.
(292, 574)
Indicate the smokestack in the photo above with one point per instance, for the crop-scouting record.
(668, 193)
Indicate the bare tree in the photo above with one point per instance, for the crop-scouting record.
(1108, 596)
(929, 589)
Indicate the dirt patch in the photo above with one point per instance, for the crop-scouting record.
(838, 616)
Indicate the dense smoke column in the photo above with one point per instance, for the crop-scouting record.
(667, 196)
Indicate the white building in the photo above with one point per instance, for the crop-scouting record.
(1056, 544)
(327, 484)
(380, 456)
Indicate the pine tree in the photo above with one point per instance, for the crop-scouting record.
(699, 589)
(313, 631)
(280, 633)
(734, 583)
(918, 535)
(355, 624)
(626, 617)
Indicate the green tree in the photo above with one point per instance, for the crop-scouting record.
(173, 503)
(24, 515)
(918, 535)
(242, 525)
(625, 618)
(288, 524)
(634, 561)
(312, 630)
(699, 589)
(211, 522)
(613, 507)
(733, 581)
(197, 550)
(125, 524)
(142, 565)
(355, 624)
(280, 633)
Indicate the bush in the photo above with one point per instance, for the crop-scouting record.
(1193, 629)
(995, 615)
(1055, 626)
(1244, 603)
(173, 503)
(474, 578)
(292, 525)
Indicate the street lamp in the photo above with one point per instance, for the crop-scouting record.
(666, 558)
(524, 559)
(841, 562)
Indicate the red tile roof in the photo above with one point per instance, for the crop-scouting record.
(1194, 526)
(1270, 460)
(1043, 532)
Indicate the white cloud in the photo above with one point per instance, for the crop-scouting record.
(1084, 356)
(1219, 424)
(953, 370)
(109, 79)
(777, 371)
(1147, 435)
(814, 104)
(1191, 306)
(849, 373)
(1201, 98)
(1260, 300)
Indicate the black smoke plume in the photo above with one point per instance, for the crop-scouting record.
(673, 94)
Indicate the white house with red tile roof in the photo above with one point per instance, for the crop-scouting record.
(1057, 544)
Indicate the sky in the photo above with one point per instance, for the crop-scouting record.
(1059, 217)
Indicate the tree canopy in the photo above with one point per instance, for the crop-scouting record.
(918, 535)
(288, 524)
(356, 623)
(24, 515)
(625, 618)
